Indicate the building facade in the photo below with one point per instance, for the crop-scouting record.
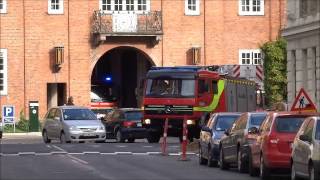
(303, 50)
(52, 49)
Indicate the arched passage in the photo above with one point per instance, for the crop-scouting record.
(118, 75)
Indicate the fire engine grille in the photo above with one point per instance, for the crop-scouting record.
(168, 109)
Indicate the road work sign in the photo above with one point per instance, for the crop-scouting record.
(303, 103)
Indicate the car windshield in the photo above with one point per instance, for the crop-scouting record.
(224, 122)
(136, 115)
(288, 124)
(318, 130)
(256, 119)
(78, 114)
(101, 111)
(170, 87)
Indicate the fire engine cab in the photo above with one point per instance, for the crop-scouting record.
(191, 93)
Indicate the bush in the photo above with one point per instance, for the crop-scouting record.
(23, 124)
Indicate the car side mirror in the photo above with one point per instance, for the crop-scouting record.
(253, 130)
(57, 118)
(227, 132)
(304, 138)
(206, 129)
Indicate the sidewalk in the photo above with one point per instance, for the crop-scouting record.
(22, 134)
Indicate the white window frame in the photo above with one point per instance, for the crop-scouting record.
(4, 7)
(4, 53)
(124, 7)
(55, 11)
(190, 12)
(251, 12)
(252, 59)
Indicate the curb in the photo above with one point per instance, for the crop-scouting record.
(23, 134)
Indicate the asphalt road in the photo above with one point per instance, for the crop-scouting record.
(32, 159)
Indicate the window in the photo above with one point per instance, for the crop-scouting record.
(248, 56)
(308, 7)
(251, 7)
(106, 5)
(203, 87)
(55, 6)
(192, 7)
(130, 5)
(3, 72)
(309, 130)
(139, 6)
(3, 6)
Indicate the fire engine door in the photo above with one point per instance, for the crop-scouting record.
(204, 93)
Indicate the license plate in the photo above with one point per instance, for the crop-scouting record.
(88, 135)
(139, 125)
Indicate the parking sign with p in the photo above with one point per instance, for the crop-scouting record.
(8, 114)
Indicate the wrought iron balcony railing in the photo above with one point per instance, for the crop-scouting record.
(127, 24)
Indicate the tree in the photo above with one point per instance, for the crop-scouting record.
(275, 70)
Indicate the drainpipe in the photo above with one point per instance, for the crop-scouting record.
(24, 58)
(270, 19)
(162, 39)
(69, 93)
(204, 33)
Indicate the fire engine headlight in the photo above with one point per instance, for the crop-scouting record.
(147, 121)
(190, 122)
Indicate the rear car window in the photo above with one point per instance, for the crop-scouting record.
(318, 130)
(257, 119)
(134, 115)
(225, 122)
(288, 124)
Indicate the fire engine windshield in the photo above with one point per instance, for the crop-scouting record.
(170, 87)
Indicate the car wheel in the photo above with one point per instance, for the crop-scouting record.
(119, 137)
(153, 138)
(45, 137)
(131, 140)
(63, 138)
(100, 141)
(211, 163)
(264, 171)
(240, 162)
(222, 163)
(252, 170)
(293, 172)
(202, 160)
(312, 173)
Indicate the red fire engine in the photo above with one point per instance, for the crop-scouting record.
(193, 93)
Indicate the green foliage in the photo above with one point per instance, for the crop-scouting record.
(23, 124)
(275, 70)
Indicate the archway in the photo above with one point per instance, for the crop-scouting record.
(118, 76)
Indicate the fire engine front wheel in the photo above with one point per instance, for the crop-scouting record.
(153, 138)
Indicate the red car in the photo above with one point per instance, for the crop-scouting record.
(272, 149)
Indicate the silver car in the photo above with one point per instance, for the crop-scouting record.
(72, 124)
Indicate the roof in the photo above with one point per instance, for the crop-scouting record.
(228, 113)
(292, 113)
(71, 107)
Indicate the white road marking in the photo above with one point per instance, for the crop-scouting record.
(26, 153)
(108, 153)
(147, 146)
(124, 153)
(59, 148)
(91, 152)
(48, 146)
(43, 154)
(121, 146)
(77, 159)
(76, 153)
(173, 146)
(59, 152)
(154, 153)
(140, 154)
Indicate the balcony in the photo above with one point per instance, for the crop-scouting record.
(126, 24)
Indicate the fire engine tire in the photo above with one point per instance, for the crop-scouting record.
(153, 138)
(119, 137)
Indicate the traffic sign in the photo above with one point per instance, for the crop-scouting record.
(303, 103)
(8, 114)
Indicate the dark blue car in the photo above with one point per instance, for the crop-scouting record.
(211, 134)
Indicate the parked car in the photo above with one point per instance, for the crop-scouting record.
(272, 151)
(211, 134)
(235, 146)
(72, 124)
(125, 123)
(305, 159)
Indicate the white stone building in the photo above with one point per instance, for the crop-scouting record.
(303, 50)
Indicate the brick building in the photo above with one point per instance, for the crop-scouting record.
(113, 48)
